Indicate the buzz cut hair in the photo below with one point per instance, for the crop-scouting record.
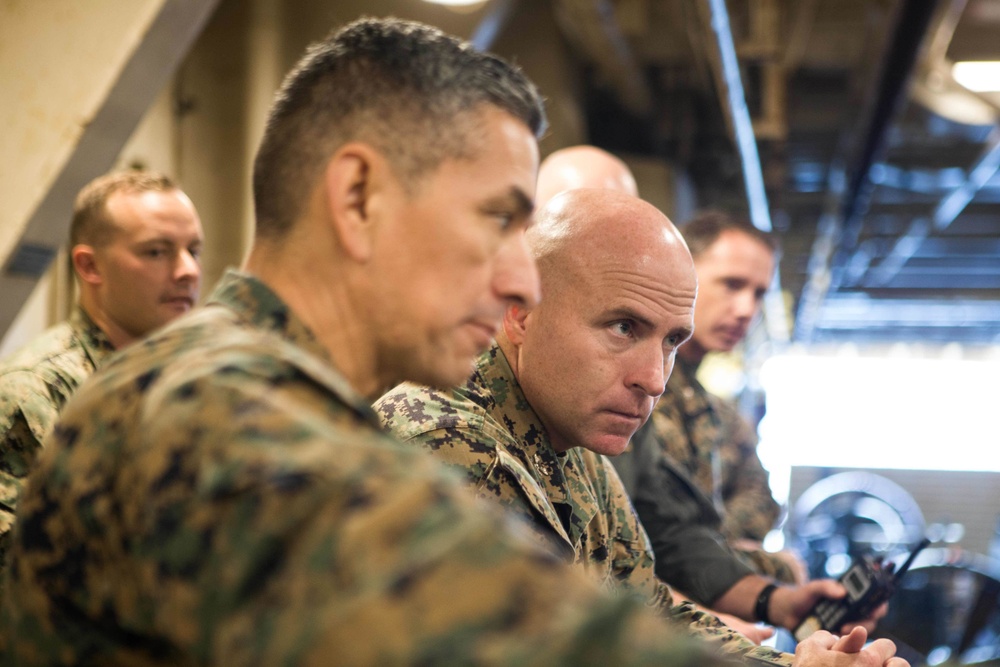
(92, 224)
(408, 90)
(704, 229)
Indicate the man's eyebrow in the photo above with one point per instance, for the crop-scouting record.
(154, 240)
(525, 203)
(623, 313)
(515, 198)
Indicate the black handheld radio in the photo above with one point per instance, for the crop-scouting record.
(869, 583)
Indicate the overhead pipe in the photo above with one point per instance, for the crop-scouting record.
(944, 213)
(727, 76)
(850, 188)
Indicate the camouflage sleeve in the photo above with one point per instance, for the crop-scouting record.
(260, 547)
(767, 564)
(691, 555)
(26, 415)
(632, 553)
(634, 569)
(726, 640)
(751, 511)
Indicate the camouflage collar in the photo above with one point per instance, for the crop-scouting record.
(689, 369)
(507, 405)
(254, 302)
(684, 386)
(92, 338)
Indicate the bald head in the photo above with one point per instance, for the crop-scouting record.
(618, 288)
(582, 230)
(582, 167)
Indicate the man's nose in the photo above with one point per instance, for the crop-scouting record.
(515, 277)
(746, 303)
(187, 267)
(652, 368)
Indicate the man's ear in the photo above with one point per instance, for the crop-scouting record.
(515, 323)
(85, 264)
(351, 180)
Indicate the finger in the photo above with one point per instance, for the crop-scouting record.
(763, 633)
(821, 639)
(758, 634)
(852, 642)
(828, 588)
(896, 662)
(883, 650)
(868, 625)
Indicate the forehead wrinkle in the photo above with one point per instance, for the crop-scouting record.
(652, 293)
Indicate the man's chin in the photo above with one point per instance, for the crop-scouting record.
(446, 375)
(725, 344)
(726, 341)
(610, 445)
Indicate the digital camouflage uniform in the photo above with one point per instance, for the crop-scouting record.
(718, 450)
(488, 433)
(695, 457)
(35, 383)
(218, 494)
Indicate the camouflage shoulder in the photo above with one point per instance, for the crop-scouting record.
(28, 408)
(410, 410)
(52, 341)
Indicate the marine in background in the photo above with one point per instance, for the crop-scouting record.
(135, 246)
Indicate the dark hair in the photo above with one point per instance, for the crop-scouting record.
(91, 223)
(704, 229)
(405, 88)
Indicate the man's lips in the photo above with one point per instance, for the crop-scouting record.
(733, 332)
(629, 414)
(180, 300)
(483, 332)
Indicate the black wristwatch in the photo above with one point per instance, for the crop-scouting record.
(763, 600)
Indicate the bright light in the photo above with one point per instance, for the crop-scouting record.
(863, 412)
(980, 76)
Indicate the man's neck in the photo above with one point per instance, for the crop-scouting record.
(116, 335)
(510, 352)
(324, 304)
(692, 353)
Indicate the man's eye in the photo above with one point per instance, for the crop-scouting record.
(622, 328)
(156, 252)
(505, 220)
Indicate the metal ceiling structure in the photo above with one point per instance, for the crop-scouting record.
(875, 169)
(879, 171)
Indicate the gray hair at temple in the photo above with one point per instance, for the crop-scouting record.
(407, 89)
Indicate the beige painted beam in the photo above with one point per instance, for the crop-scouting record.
(76, 79)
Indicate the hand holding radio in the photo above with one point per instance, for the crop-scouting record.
(869, 583)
